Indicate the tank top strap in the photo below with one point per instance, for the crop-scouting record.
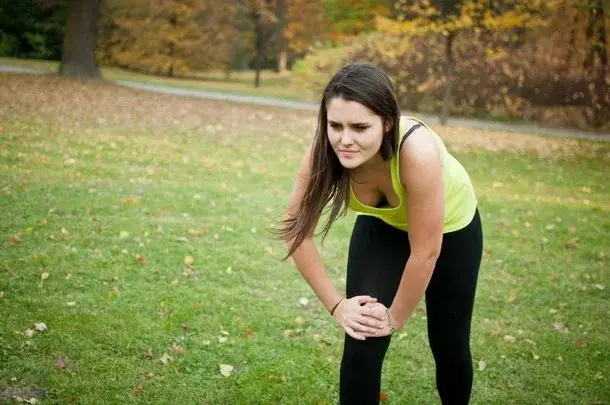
(409, 132)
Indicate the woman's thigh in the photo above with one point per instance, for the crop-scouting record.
(377, 256)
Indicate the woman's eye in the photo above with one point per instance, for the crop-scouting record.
(360, 128)
(335, 126)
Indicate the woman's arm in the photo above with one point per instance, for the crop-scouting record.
(350, 313)
(422, 175)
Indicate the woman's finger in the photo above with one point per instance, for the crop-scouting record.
(363, 299)
(357, 327)
(353, 334)
(370, 322)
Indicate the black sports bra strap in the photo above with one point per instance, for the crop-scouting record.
(409, 132)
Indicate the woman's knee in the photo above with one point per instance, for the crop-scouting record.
(369, 351)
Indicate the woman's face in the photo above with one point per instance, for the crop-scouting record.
(355, 132)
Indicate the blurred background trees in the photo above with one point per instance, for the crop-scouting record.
(544, 61)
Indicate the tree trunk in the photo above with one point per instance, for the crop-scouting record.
(78, 57)
(446, 107)
(282, 63)
(258, 45)
(596, 35)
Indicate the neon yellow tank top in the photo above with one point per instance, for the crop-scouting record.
(460, 199)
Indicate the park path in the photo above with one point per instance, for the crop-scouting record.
(276, 102)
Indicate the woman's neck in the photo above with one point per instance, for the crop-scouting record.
(373, 167)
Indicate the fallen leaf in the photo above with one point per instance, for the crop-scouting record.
(185, 327)
(303, 302)
(535, 356)
(136, 391)
(582, 342)
(248, 332)
(71, 303)
(124, 235)
(206, 342)
(1, 294)
(560, 358)
(114, 291)
(222, 339)
(15, 239)
(132, 200)
(496, 332)
(482, 365)
(142, 260)
(177, 349)
(11, 272)
(44, 276)
(29, 332)
(226, 369)
(195, 232)
(512, 298)
(299, 320)
(383, 396)
(181, 239)
(560, 327)
(148, 354)
(509, 339)
(189, 260)
(599, 376)
(165, 359)
(61, 362)
(287, 333)
(40, 327)
(316, 337)
(599, 286)
(277, 378)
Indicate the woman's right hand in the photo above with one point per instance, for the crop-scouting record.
(356, 318)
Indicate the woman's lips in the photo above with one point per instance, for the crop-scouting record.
(347, 153)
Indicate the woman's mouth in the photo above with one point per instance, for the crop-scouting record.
(347, 153)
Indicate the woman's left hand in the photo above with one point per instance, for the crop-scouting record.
(379, 311)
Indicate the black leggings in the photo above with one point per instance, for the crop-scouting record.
(378, 253)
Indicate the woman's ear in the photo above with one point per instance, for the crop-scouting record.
(387, 125)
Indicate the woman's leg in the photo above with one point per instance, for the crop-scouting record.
(376, 260)
(449, 303)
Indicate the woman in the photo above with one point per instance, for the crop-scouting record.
(419, 232)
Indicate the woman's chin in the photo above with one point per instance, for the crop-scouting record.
(350, 163)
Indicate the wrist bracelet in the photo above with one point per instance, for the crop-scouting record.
(332, 311)
(390, 325)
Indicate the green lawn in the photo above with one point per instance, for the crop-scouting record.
(271, 85)
(134, 229)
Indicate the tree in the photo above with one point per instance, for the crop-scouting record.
(79, 47)
(32, 28)
(168, 37)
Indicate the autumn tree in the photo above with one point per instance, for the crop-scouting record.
(168, 37)
(79, 45)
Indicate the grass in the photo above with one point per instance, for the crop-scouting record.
(272, 84)
(111, 192)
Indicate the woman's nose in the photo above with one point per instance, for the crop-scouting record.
(346, 138)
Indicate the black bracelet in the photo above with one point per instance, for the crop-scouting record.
(332, 311)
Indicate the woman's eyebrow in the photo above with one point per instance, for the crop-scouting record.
(350, 123)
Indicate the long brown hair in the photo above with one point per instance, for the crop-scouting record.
(368, 85)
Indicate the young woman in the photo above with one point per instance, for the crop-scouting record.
(419, 232)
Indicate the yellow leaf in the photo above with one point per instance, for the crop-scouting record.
(226, 369)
